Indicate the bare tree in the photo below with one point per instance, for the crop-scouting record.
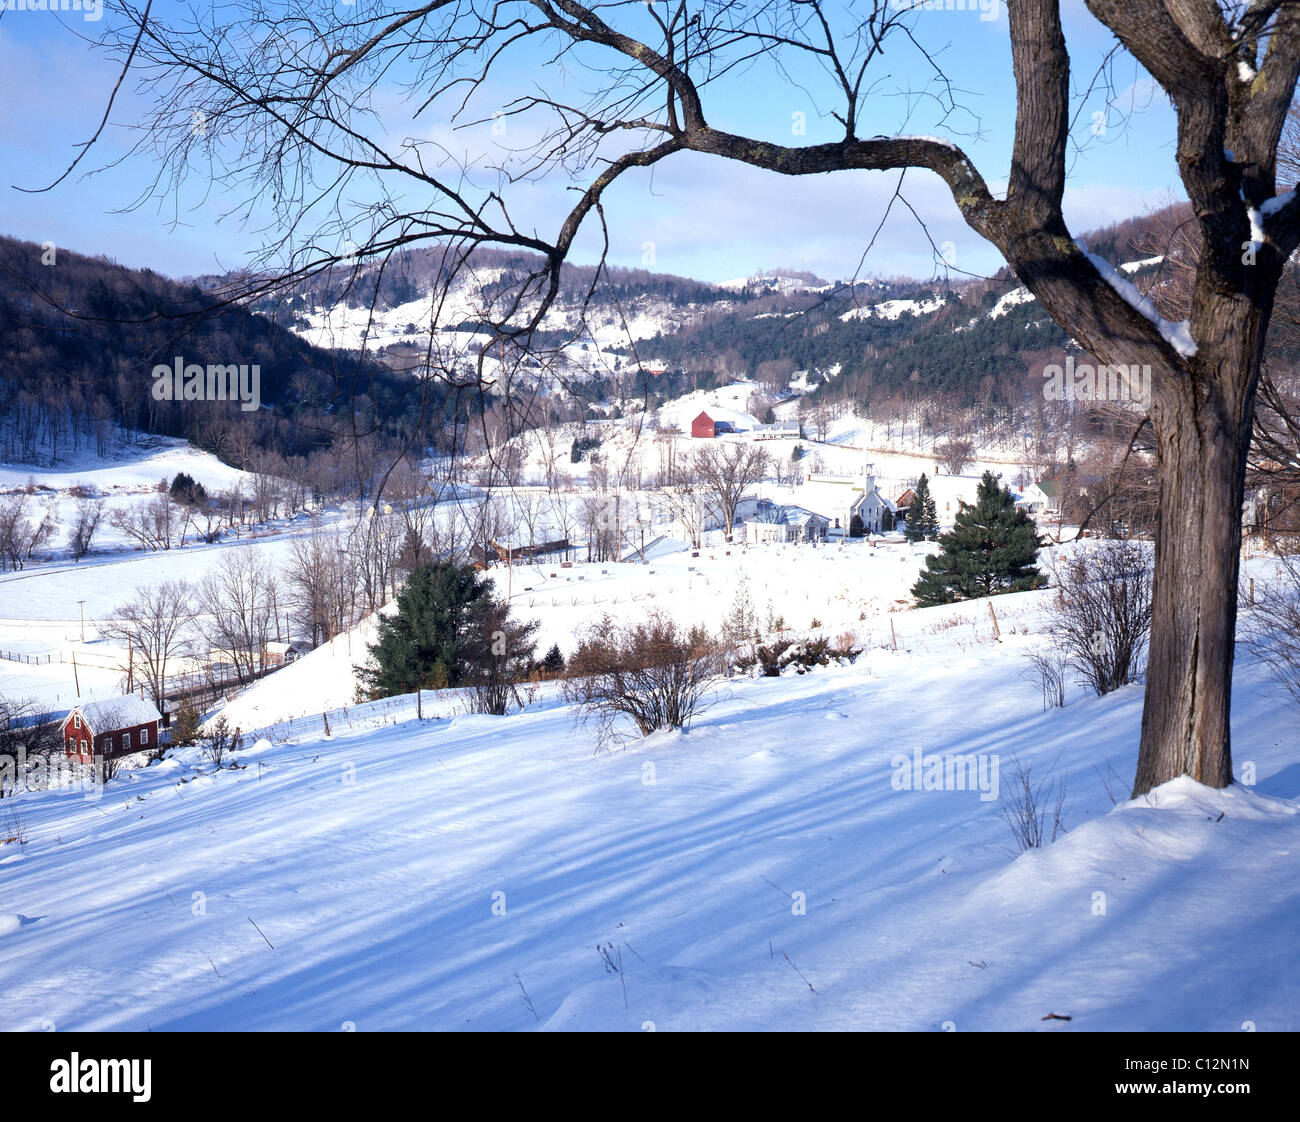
(156, 525)
(21, 533)
(85, 524)
(954, 455)
(27, 730)
(238, 611)
(1272, 628)
(295, 89)
(685, 503)
(321, 585)
(726, 471)
(154, 625)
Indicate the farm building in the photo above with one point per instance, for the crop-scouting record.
(702, 427)
(717, 421)
(115, 726)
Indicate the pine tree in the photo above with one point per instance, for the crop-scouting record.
(186, 724)
(992, 548)
(553, 663)
(441, 631)
(922, 515)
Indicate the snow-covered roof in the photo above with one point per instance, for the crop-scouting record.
(118, 713)
(789, 515)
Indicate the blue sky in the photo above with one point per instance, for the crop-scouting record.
(704, 217)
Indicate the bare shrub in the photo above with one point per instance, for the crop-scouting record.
(218, 742)
(1034, 810)
(107, 767)
(652, 674)
(498, 653)
(1102, 619)
(1272, 628)
(1048, 667)
(12, 828)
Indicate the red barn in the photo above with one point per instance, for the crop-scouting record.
(115, 726)
(702, 426)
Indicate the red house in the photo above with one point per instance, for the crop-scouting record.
(702, 426)
(115, 726)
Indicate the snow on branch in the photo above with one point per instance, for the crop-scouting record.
(1177, 335)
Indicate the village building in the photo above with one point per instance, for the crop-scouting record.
(1043, 497)
(775, 523)
(849, 501)
(115, 726)
(779, 430)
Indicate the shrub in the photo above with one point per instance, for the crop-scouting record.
(218, 742)
(653, 675)
(186, 724)
(1102, 619)
(1272, 629)
(772, 658)
(1034, 810)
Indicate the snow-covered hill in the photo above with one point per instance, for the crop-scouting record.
(767, 869)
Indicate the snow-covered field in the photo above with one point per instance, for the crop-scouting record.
(763, 870)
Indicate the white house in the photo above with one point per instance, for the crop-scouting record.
(785, 524)
(779, 430)
(1043, 497)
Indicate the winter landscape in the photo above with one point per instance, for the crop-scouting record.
(453, 580)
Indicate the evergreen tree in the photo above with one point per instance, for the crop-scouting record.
(553, 663)
(991, 549)
(922, 514)
(186, 724)
(741, 624)
(186, 489)
(442, 633)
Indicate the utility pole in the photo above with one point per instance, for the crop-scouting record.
(82, 605)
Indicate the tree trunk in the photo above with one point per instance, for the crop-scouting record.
(1185, 720)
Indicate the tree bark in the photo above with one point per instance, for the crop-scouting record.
(1185, 719)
